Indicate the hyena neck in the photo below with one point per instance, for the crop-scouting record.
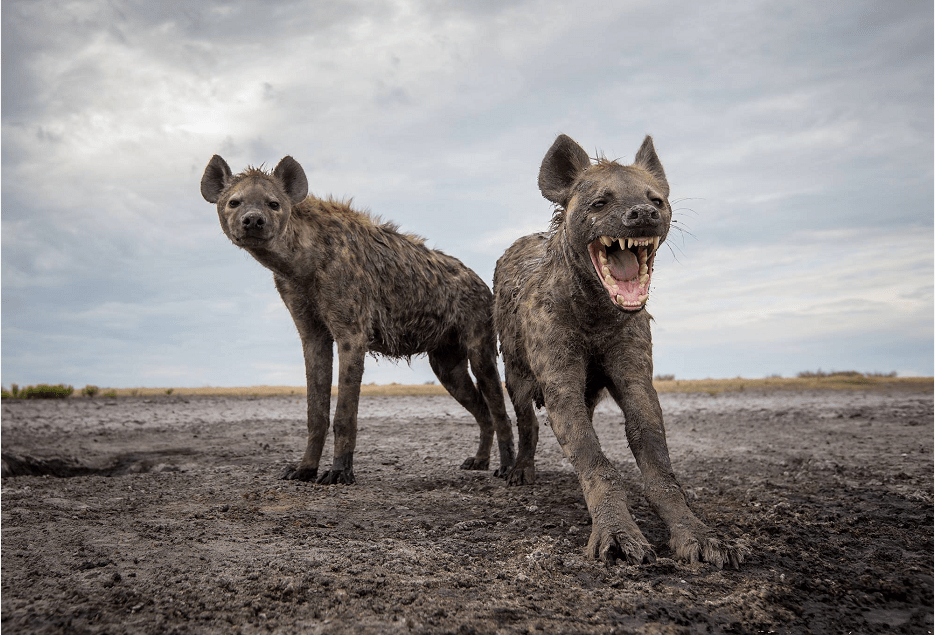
(290, 255)
(276, 259)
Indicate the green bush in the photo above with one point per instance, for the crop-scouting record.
(112, 394)
(14, 389)
(5, 394)
(45, 391)
(90, 390)
(808, 374)
(661, 377)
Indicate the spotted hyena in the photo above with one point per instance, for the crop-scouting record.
(570, 312)
(348, 279)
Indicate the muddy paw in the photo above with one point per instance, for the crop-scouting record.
(503, 471)
(522, 474)
(337, 477)
(298, 473)
(474, 463)
(608, 546)
(700, 544)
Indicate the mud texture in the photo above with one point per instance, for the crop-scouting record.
(165, 515)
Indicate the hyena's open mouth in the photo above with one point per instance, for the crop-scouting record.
(625, 267)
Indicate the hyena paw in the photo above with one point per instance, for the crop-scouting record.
(474, 463)
(503, 471)
(611, 544)
(523, 473)
(298, 473)
(700, 544)
(337, 477)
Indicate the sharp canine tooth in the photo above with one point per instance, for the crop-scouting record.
(624, 242)
(655, 242)
(607, 240)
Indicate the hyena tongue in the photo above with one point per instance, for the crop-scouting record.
(623, 265)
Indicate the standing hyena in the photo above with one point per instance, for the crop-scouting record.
(569, 308)
(346, 279)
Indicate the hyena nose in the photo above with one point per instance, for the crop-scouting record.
(641, 215)
(253, 221)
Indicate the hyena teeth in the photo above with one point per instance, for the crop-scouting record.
(607, 240)
(643, 270)
(655, 243)
(642, 299)
(644, 256)
(605, 271)
(610, 281)
(625, 242)
(644, 278)
(602, 257)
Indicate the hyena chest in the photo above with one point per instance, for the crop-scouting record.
(405, 333)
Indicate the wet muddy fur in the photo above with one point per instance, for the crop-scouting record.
(570, 312)
(347, 279)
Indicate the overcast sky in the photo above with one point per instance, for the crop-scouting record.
(797, 138)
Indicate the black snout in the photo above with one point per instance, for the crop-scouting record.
(642, 215)
(253, 222)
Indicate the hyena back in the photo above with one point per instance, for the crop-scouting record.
(347, 279)
(570, 312)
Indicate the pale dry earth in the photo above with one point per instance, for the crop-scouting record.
(166, 516)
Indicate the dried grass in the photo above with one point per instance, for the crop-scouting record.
(710, 386)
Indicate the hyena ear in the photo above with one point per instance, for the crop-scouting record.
(293, 180)
(217, 176)
(646, 158)
(562, 164)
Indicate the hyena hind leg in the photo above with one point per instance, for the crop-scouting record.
(450, 365)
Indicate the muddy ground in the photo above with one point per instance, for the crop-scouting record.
(173, 521)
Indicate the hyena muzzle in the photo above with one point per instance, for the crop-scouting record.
(348, 279)
(570, 312)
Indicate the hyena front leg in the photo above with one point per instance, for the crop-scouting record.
(351, 355)
(689, 538)
(317, 347)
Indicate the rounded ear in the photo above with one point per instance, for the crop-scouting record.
(216, 178)
(562, 164)
(293, 180)
(646, 158)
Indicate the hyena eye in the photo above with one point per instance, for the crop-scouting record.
(233, 203)
(273, 205)
(598, 204)
(656, 201)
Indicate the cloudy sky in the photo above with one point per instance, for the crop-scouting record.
(797, 138)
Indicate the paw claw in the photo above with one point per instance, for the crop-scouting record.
(609, 546)
(521, 475)
(296, 473)
(703, 545)
(336, 477)
(474, 463)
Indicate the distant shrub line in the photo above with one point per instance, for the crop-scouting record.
(40, 391)
(808, 374)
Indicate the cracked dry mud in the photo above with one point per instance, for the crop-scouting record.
(173, 521)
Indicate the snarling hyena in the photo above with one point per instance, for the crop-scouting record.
(570, 312)
(347, 279)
